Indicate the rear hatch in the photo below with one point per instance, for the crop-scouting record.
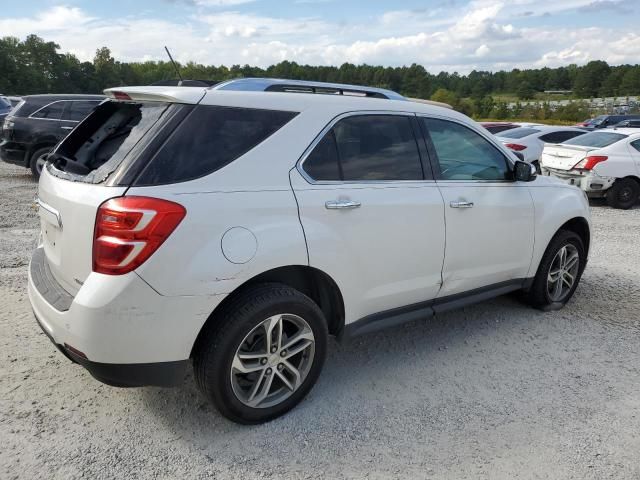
(96, 162)
(563, 157)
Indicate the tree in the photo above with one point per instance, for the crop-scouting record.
(445, 96)
(525, 91)
(590, 78)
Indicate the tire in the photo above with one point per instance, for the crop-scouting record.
(240, 329)
(543, 293)
(34, 164)
(623, 194)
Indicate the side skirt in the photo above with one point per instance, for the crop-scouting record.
(417, 311)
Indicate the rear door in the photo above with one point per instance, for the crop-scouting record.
(373, 220)
(489, 217)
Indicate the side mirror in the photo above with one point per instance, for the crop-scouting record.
(520, 155)
(524, 172)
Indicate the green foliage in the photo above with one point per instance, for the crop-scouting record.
(34, 65)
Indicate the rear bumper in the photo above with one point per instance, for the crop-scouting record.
(11, 152)
(162, 374)
(120, 329)
(590, 182)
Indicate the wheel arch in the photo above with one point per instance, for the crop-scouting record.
(580, 226)
(34, 148)
(312, 282)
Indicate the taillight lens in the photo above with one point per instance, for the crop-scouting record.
(130, 229)
(121, 96)
(588, 163)
(515, 146)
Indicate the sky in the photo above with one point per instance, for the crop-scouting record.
(449, 35)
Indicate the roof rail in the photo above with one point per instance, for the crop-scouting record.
(304, 86)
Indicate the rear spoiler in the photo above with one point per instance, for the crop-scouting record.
(190, 95)
(430, 102)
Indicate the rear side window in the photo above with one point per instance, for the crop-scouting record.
(636, 144)
(519, 132)
(559, 137)
(53, 111)
(596, 139)
(367, 148)
(78, 110)
(208, 139)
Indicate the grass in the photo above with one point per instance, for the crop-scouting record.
(548, 121)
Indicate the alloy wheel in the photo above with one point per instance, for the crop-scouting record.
(272, 361)
(563, 273)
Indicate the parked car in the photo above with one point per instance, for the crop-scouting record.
(34, 127)
(529, 141)
(627, 124)
(604, 121)
(235, 230)
(604, 163)
(5, 107)
(497, 127)
(584, 123)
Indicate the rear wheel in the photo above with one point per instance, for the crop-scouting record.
(38, 160)
(559, 271)
(623, 194)
(262, 354)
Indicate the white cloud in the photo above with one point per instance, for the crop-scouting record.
(476, 36)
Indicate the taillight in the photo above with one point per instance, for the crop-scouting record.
(588, 163)
(130, 229)
(515, 146)
(121, 96)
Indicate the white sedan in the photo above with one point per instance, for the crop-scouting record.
(603, 163)
(530, 141)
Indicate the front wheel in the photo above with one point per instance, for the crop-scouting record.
(623, 194)
(559, 271)
(262, 354)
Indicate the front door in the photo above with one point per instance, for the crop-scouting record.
(489, 217)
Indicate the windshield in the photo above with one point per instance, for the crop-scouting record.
(4, 103)
(518, 133)
(598, 120)
(596, 139)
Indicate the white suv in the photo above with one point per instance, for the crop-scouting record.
(237, 227)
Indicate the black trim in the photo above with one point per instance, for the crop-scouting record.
(423, 310)
(46, 284)
(160, 374)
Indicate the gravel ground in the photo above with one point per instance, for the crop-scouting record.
(497, 390)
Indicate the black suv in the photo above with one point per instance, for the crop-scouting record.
(38, 123)
(603, 121)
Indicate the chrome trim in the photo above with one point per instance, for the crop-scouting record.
(49, 209)
(341, 204)
(461, 204)
(31, 116)
(329, 126)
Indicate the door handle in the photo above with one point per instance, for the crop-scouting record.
(461, 204)
(66, 128)
(341, 204)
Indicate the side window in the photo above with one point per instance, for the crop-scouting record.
(52, 111)
(463, 154)
(377, 147)
(367, 148)
(636, 144)
(78, 110)
(322, 164)
(210, 138)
